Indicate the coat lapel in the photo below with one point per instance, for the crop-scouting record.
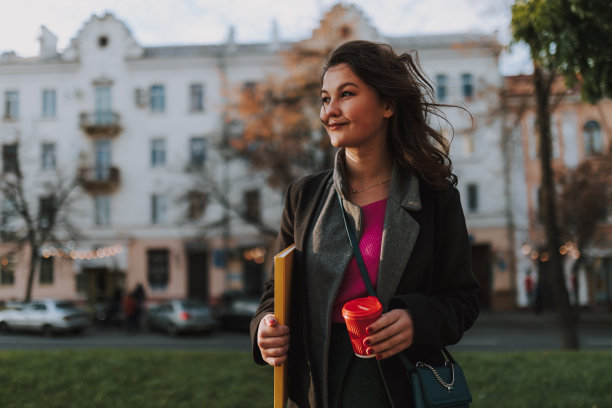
(399, 233)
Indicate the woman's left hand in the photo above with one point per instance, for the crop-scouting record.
(390, 334)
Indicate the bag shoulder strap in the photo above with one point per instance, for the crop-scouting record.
(351, 234)
(368, 283)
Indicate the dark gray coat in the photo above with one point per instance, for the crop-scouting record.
(424, 267)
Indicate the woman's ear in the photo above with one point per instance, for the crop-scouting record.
(389, 110)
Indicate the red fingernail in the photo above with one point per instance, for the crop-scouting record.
(271, 323)
(378, 357)
(369, 351)
(369, 330)
(367, 342)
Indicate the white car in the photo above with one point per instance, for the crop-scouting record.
(47, 316)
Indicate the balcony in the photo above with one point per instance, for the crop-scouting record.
(103, 123)
(99, 180)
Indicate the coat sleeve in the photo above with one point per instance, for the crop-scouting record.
(450, 306)
(284, 238)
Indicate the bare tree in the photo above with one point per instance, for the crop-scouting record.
(34, 214)
(585, 201)
(208, 187)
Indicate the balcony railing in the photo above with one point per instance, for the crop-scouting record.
(99, 179)
(102, 123)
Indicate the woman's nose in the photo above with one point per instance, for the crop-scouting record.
(331, 109)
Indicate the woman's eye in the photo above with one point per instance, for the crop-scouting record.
(347, 93)
(324, 100)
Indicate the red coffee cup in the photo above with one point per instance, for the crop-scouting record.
(359, 314)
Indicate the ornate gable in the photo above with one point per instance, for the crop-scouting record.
(101, 33)
(341, 24)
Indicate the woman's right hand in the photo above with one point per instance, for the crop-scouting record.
(273, 340)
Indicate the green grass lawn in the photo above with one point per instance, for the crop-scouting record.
(149, 379)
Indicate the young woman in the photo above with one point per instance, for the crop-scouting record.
(395, 181)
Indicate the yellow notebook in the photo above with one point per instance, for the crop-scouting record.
(283, 265)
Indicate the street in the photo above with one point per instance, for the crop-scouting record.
(513, 331)
(96, 337)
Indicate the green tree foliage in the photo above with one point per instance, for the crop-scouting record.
(570, 37)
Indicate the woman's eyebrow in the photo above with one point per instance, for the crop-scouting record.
(342, 86)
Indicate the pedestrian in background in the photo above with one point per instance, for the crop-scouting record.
(394, 177)
(129, 311)
(139, 297)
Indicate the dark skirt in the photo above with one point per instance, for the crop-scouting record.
(353, 381)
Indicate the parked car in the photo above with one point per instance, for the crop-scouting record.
(181, 315)
(235, 311)
(47, 316)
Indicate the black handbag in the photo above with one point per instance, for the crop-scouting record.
(432, 386)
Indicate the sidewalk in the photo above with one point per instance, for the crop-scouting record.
(527, 318)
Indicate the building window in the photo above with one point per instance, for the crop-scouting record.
(252, 206)
(467, 86)
(196, 98)
(103, 159)
(7, 223)
(81, 282)
(157, 100)
(468, 144)
(159, 209)
(441, 87)
(103, 105)
(592, 138)
(9, 158)
(45, 276)
(49, 105)
(197, 148)
(158, 153)
(235, 129)
(46, 211)
(141, 97)
(7, 271)
(11, 105)
(102, 210)
(250, 87)
(102, 41)
(602, 280)
(472, 192)
(197, 204)
(158, 268)
(48, 156)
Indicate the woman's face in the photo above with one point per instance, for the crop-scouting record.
(351, 111)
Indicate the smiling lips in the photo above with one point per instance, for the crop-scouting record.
(336, 125)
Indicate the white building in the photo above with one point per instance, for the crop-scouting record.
(139, 123)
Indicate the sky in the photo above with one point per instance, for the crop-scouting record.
(170, 22)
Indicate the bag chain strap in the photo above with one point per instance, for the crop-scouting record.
(448, 386)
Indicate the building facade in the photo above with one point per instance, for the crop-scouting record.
(579, 131)
(143, 126)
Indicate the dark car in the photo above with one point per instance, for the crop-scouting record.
(181, 316)
(235, 311)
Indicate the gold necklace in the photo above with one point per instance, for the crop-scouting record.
(369, 187)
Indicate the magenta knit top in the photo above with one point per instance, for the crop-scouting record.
(352, 285)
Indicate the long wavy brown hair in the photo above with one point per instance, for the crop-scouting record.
(399, 80)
